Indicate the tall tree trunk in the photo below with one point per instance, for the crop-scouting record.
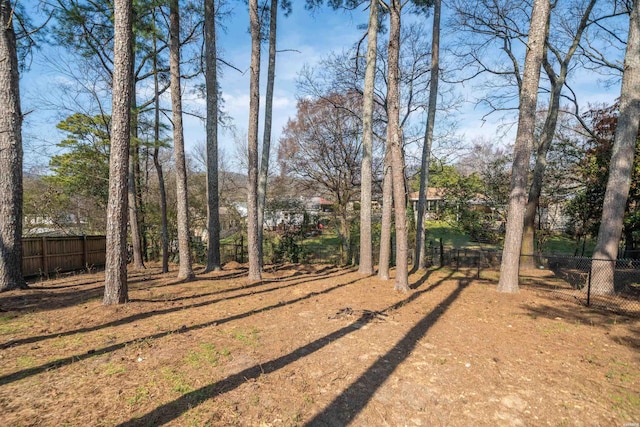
(10, 156)
(115, 290)
(255, 272)
(394, 142)
(509, 269)
(420, 260)
(142, 187)
(621, 166)
(268, 120)
(366, 247)
(557, 82)
(345, 236)
(156, 161)
(163, 210)
(385, 226)
(185, 271)
(211, 79)
(134, 224)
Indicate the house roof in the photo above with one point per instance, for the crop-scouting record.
(321, 201)
(433, 193)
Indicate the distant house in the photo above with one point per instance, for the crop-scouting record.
(435, 202)
(231, 218)
(65, 224)
(318, 204)
(291, 212)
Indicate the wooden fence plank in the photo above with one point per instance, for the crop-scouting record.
(44, 255)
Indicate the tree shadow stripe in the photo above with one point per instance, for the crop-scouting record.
(6, 379)
(174, 409)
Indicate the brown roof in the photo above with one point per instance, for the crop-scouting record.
(432, 194)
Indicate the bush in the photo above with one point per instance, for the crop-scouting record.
(287, 249)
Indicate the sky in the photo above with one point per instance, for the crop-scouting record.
(304, 38)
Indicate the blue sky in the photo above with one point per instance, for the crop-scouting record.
(305, 37)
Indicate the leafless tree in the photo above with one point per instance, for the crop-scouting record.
(620, 169)
(509, 269)
(268, 120)
(211, 79)
(395, 148)
(557, 82)
(498, 26)
(366, 247)
(255, 272)
(185, 271)
(387, 215)
(164, 226)
(420, 260)
(322, 147)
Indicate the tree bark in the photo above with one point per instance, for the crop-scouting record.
(163, 210)
(557, 82)
(11, 192)
(621, 166)
(116, 290)
(420, 260)
(268, 120)
(366, 247)
(134, 224)
(211, 79)
(509, 269)
(255, 272)
(387, 212)
(185, 271)
(156, 161)
(394, 142)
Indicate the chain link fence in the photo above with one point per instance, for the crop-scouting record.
(610, 284)
(613, 285)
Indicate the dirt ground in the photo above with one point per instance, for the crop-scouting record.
(313, 345)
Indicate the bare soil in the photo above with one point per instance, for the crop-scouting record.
(313, 345)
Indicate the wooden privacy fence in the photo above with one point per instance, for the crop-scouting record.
(44, 255)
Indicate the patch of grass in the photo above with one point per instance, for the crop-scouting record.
(10, 329)
(622, 372)
(627, 404)
(249, 337)
(327, 238)
(6, 318)
(113, 369)
(10, 324)
(206, 355)
(110, 337)
(562, 244)
(24, 362)
(451, 237)
(196, 417)
(437, 230)
(554, 328)
(176, 380)
(140, 394)
(325, 246)
(142, 344)
(68, 341)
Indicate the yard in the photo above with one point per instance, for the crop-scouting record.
(313, 345)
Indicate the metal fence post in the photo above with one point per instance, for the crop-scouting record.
(589, 288)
